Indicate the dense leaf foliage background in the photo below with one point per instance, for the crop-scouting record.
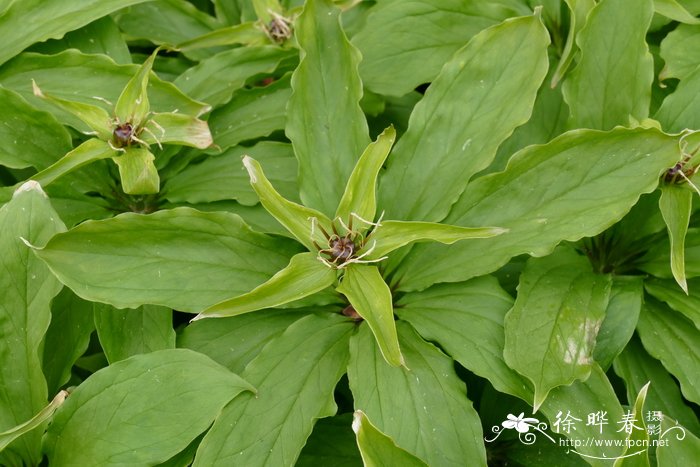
(262, 232)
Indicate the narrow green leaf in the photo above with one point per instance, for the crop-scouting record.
(433, 161)
(377, 448)
(90, 151)
(132, 105)
(297, 219)
(28, 21)
(180, 258)
(177, 128)
(173, 394)
(467, 320)
(612, 80)
(425, 409)
(29, 137)
(552, 328)
(124, 333)
(360, 192)
(657, 262)
(680, 52)
(670, 337)
(579, 10)
(325, 123)
(686, 303)
(304, 275)
(683, 446)
(676, 205)
(391, 235)
(331, 443)
(542, 204)
(637, 441)
(6, 437)
(27, 290)
(675, 11)
(678, 110)
(137, 171)
(245, 33)
(371, 298)
(636, 367)
(295, 376)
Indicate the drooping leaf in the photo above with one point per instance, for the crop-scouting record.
(180, 258)
(676, 205)
(377, 448)
(667, 291)
(29, 137)
(433, 160)
(304, 275)
(680, 52)
(90, 151)
(541, 204)
(295, 376)
(612, 80)
(27, 290)
(324, 121)
(425, 409)
(6, 437)
(137, 171)
(331, 442)
(683, 446)
(657, 262)
(371, 299)
(151, 407)
(552, 328)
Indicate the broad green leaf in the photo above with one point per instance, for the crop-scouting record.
(151, 406)
(27, 290)
(331, 443)
(132, 105)
(434, 159)
(676, 205)
(391, 235)
(67, 337)
(552, 328)
(324, 120)
(636, 445)
(683, 447)
(180, 129)
(678, 110)
(304, 275)
(297, 219)
(686, 303)
(295, 376)
(612, 80)
(579, 10)
(425, 409)
(28, 21)
(215, 79)
(180, 258)
(467, 320)
(360, 192)
(90, 151)
(675, 11)
(538, 199)
(245, 33)
(221, 177)
(680, 52)
(137, 171)
(29, 137)
(6, 437)
(396, 60)
(626, 298)
(377, 448)
(124, 333)
(369, 295)
(670, 337)
(234, 342)
(657, 262)
(636, 367)
(251, 114)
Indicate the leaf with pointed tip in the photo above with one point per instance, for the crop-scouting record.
(671, 9)
(552, 328)
(324, 121)
(636, 453)
(687, 304)
(304, 275)
(657, 262)
(245, 33)
(678, 109)
(680, 51)
(360, 192)
(377, 448)
(177, 128)
(579, 10)
(676, 205)
(6, 437)
(331, 443)
(137, 171)
(132, 105)
(297, 219)
(90, 151)
(371, 298)
(180, 258)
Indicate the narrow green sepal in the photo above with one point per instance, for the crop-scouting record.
(378, 449)
(245, 33)
(6, 437)
(138, 172)
(177, 128)
(90, 151)
(676, 203)
(132, 105)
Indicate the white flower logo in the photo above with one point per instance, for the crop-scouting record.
(521, 424)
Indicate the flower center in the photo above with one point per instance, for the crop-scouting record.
(341, 249)
(123, 134)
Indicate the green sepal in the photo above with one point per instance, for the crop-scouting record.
(6, 437)
(91, 150)
(177, 128)
(378, 449)
(304, 276)
(637, 451)
(138, 172)
(391, 235)
(371, 298)
(97, 118)
(132, 105)
(265, 8)
(297, 219)
(245, 33)
(360, 196)
(675, 204)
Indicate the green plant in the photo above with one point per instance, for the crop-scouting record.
(528, 245)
